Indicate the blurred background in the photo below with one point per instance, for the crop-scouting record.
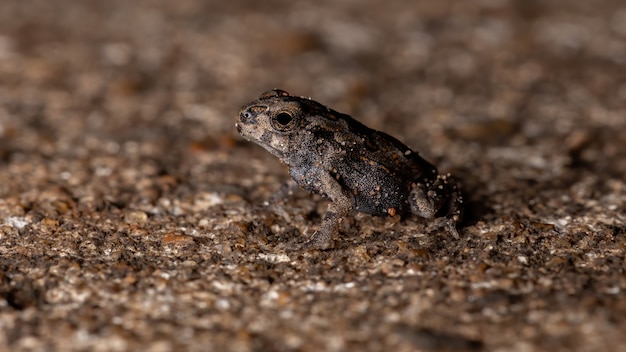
(117, 70)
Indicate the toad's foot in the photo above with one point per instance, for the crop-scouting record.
(427, 200)
(323, 238)
(320, 240)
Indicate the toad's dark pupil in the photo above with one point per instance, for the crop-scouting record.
(283, 118)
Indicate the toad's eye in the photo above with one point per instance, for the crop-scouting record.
(283, 121)
(283, 118)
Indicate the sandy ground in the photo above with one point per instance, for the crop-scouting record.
(131, 212)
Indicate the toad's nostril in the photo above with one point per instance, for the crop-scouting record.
(246, 117)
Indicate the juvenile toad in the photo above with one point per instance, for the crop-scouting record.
(356, 167)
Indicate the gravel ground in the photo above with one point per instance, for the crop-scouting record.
(131, 212)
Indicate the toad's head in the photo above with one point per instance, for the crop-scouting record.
(272, 121)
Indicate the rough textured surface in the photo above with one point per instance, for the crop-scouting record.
(130, 210)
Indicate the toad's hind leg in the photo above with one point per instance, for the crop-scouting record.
(427, 199)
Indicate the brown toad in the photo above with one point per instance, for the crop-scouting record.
(358, 168)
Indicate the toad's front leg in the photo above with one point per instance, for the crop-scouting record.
(340, 206)
(285, 191)
(277, 200)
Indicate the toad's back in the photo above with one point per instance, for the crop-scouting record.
(376, 169)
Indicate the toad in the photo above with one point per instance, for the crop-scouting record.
(356, 167)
